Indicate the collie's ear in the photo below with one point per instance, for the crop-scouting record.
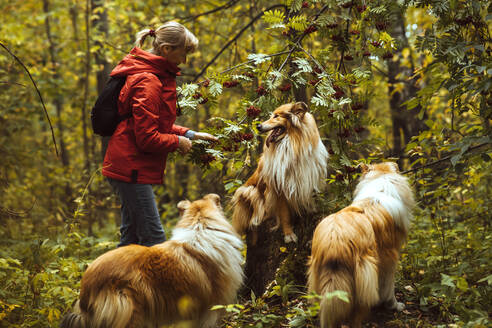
(363, 167)
(395, 167)
(183, 206)
(299, 108)
(214, 198)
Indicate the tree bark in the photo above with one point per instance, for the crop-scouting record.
(406, 123)
(271, 259)
(100, 25)
(56, 76)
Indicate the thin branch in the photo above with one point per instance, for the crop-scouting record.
(7, 82)
(231, 41)
(10, 212)
(39, 94)
(225, 6)
(445, 158)
(297, 42)
(252, 60)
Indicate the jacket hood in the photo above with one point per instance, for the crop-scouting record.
(140, 61)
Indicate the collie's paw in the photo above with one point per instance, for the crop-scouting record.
(291, 237)
(399, 306)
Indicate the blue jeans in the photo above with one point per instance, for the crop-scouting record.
(140, 219)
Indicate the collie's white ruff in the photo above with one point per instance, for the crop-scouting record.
(356, 250)
(292, 167)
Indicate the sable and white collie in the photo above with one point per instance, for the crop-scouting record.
(180, 279)
(356, 250)
(291, 168)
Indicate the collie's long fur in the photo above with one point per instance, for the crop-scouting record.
(180, 279)
(291, 168)
(356, 250)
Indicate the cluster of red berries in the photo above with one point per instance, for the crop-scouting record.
(238, 137)
(366, 54)
(310, 29)
(207, 158)
(198, 95)
(314, 82)
(285, 87)
(230, 84)
(387, 55)
(348, 57)
(361, 8)
(261, 91)
(338, 92)
(376, 44)
(317, 70)
(305, 4)
(355, 32)
(247, 136)
(253, 111)
(206, 83)
(357, 106)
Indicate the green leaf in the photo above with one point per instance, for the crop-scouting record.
(488, 279)
(447, 280)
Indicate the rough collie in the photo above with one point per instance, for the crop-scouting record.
(291, 168)
(178, 280)
(356, 250)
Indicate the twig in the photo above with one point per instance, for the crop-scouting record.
(10, 212)
(444, 158)
(227, 5)
(231, 41)
(39, 94)
(7, 82)
(297, 42)
(252, 60)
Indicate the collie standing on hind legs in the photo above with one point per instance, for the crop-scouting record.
(356, 250)
(291, 168)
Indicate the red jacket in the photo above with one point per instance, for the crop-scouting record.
(137, 151)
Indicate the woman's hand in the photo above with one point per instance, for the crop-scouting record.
(205, 136)
(184, 145)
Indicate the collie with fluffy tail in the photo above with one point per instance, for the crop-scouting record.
(179, 280)
(356, 250)
(291, 168)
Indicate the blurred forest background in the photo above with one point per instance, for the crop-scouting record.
(403, 80)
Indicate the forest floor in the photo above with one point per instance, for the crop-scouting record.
(273, 314)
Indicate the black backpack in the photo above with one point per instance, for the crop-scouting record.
(104, 114)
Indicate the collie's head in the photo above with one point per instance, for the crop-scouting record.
(384, 184)
(206, 213)
(288, 119)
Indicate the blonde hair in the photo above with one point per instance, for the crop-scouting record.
(171, 34)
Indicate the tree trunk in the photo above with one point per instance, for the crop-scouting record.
(58, 101)
(100, 25)
(56, 76)
(270, 258)
(406, 123)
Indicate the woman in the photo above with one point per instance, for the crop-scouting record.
(137, 151)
